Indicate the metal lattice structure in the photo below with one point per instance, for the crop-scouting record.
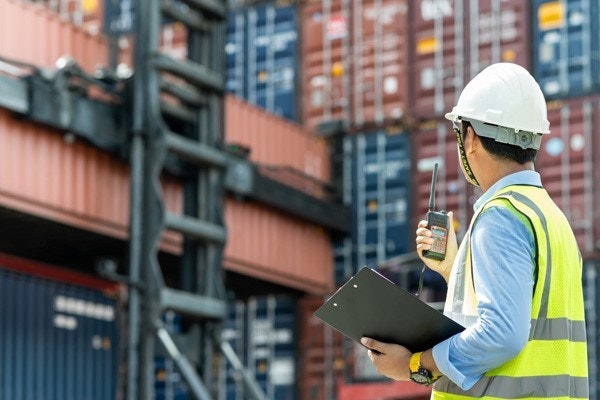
(196, 85)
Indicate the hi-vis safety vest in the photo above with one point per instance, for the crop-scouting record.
(553, 363)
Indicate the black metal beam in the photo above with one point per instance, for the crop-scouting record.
(105, 125)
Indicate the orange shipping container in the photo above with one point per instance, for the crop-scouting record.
(275, 247)
(263, 242)
(43, 174)
(275, 141)
(33, 34)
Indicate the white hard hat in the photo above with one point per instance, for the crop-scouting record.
(505, 103)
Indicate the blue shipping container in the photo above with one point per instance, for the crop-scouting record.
(566, 47)
(262, 331)
(58, 341)
(261, 55)
(378, 183)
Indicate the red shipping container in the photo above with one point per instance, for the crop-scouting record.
(455, 39)
(43, 174)
(326, 53)
(568, 164)
(438, 58)
(499, 31)
(380, 62)
(355, 62)
(322, 356)
(434, 141)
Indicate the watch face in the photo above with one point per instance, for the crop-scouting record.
(419, 378)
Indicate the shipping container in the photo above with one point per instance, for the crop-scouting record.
(380, 68)
(377, 189)
(456, 39)
(355, 62)
(262, 330)
(169, 384)
(63, 341)
(274, 141)
(45, 174)
(391, 390)
(326, 61)
(47, 37)
(566, 46)
(284, 249)
(498, 31)
(261, 57)
(567, 163)
(438, 64)
(272, 246)
(322, 356)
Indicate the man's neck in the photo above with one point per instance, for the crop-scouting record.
(498, 170)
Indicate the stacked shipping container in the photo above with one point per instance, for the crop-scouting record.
(60, 333)
(354, 61)
(262, 330)
(261, 57)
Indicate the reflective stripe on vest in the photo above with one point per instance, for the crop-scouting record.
(553, 363)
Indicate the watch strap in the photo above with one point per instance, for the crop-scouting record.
(415, 362)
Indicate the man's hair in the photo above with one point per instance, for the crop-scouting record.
(502, 150)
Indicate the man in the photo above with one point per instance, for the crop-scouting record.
(515, 281)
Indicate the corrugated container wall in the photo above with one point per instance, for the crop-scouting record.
(47, 37)
(61, 343)
(455, 39)
(326, 52)
(378, 191)
(322, 357)
(283, 249)
(355, 64)
(262, 330)
(262, 57)
(566, 46)
(568, 164)
(45, 175)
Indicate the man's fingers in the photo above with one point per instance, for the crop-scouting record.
(373, 345)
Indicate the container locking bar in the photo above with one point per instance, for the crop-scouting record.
(196, 228)
(192, 304)
(193, 72)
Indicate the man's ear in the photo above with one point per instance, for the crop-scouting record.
(472, 141)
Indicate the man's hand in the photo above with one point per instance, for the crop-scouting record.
(391, 360)
(424, 242)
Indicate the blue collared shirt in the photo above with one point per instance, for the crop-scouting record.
(503, 259)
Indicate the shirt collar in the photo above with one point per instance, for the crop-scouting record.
(522, 178)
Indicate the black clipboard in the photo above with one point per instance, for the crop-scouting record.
(371, 305)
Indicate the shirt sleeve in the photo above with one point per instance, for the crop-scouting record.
(503, 260)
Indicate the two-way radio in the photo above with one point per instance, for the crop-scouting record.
(437, 223)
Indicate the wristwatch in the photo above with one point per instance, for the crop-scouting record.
(418, 374)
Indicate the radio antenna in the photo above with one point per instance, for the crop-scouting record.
(432, 190)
